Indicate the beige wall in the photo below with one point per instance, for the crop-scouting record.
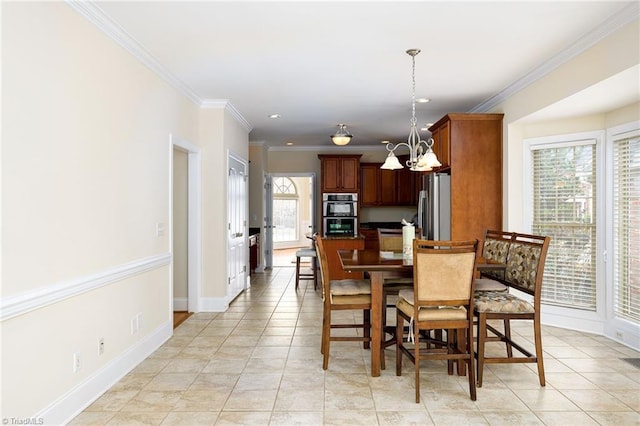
(615, 54)
(85, 180)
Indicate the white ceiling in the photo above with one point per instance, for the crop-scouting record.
(318, 64)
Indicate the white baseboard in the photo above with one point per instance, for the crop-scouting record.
(180, 304)
(72, 403)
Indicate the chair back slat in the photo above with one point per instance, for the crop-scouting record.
(390, 240)
(324, 266)
(443, 271)
(525, 262)
(495, 246)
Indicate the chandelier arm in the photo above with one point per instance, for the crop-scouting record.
(392, 147)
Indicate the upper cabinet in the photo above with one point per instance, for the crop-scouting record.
(442, 142)
(469, 146)
(340, 173)
(380, 187)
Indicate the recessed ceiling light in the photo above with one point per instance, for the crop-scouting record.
(274, 116)
(289, 143)
(384, 142)
(423, 100)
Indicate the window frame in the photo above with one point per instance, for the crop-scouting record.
(563, 316)
(617, 328)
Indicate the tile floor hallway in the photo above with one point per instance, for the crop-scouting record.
(259, 363)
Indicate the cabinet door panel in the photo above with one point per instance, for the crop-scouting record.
(388, 187)
(369, 185)
(406, 193)
(445, 144)
(330, 175)
(350, 173)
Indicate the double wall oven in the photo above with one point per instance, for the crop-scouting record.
(340, 214)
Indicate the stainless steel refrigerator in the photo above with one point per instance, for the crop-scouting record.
(434, 207)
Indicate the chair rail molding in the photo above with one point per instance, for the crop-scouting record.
(12, 306)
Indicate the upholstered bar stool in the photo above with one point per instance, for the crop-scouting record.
(306, 253)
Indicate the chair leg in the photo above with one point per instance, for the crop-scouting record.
(450, 344)
(416, 363)
(469, 350)
(297, 272)
(507, 334)
(315, 273)
(366, 320)
(538, 340)
(326, 338)
(481, 335)
(399, 342)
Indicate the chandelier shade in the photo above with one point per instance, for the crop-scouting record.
(421, 155)
(342, 136)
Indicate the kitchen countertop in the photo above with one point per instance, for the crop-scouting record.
(359, 237)
(376, 225)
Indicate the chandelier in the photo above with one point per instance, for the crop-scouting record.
(342, 136)
(421, 156)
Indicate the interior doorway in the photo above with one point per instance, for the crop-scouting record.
(185, 225)
(290, 216)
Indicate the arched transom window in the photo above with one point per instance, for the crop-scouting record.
(285, 210)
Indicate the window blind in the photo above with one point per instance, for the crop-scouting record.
(564, 197)
(626, 228)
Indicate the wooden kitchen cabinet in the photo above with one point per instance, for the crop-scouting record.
(471, 146)
(442, 143)
(380, 187)
(369, 186)
(407, 187)
(340, 173)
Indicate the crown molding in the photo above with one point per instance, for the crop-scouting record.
(329, 149)
(227, 106)
(97, 17)
(623, 17)
(94, 14)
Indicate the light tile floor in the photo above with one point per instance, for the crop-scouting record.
(259, 363)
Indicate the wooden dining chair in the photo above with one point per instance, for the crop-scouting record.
(525, 266)
(340, 295)
(391, 240)
(442, 298)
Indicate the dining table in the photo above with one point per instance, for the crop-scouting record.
(376, 264)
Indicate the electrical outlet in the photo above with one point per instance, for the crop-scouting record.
(619, 335)
(101, 346)
(76, 362)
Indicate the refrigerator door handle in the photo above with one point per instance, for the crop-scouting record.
(421, 206)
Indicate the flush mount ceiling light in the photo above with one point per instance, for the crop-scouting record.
(421, 156)
(342, 136)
